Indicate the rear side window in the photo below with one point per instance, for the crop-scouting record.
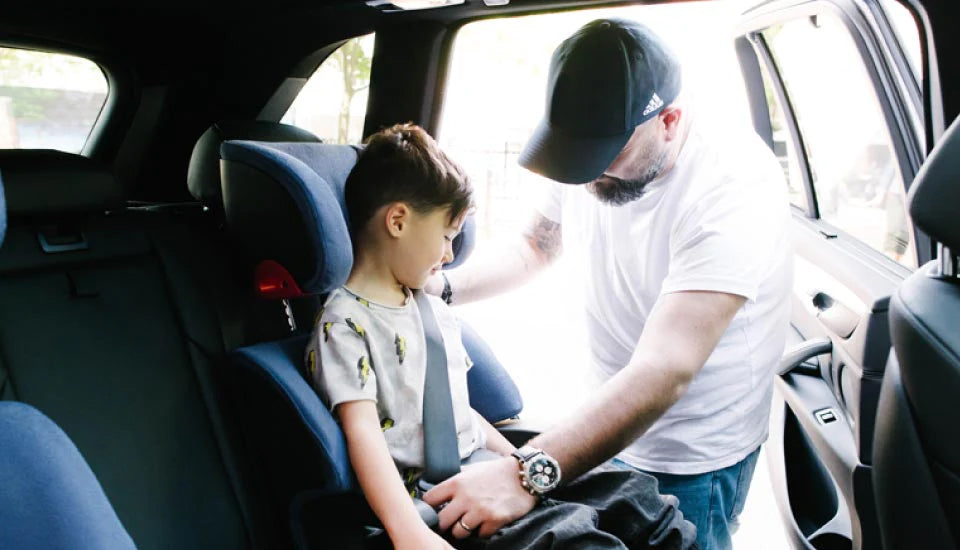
(856, 176)
(333, 102)
(48, 100)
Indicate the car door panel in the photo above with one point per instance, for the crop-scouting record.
(819, 451)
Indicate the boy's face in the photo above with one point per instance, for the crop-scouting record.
(425, 245)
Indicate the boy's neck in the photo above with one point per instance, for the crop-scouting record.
(375, 281)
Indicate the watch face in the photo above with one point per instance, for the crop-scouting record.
(543, 473)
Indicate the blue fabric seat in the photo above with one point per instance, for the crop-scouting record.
(50, 498)
(284, 202)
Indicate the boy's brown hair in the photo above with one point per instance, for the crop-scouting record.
(403, 163)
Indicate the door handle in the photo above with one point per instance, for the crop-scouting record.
(837, 317)
(803, 352)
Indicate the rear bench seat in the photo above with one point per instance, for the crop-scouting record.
(105, 328)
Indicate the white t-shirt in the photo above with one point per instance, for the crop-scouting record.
(718, 221)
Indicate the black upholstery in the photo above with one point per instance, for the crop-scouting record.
(935, 195)
(40, 183)
(3, 212)
(916, 451)
(203, 174)
(119, 342)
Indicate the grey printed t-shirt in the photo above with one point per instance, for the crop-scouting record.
(362, 350)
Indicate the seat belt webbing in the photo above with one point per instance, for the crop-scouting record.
(441, 453)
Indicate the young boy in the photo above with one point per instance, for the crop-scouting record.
(407, 201)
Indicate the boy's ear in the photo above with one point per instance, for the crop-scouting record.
(397, 218)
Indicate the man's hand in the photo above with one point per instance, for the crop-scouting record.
(484, 496)
(434, 285)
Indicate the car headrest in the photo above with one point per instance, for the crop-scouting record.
(44, 182)
(935, 192)
(203, 174)
(284, 202)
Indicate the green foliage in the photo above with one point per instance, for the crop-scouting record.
(354, 65)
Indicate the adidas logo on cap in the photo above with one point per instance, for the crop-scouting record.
(655, 103)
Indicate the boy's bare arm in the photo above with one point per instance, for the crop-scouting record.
(379, 479)
(495, 440)
(506, 269)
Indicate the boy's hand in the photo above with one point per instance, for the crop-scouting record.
(420, 538)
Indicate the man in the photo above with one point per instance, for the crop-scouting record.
(685, 237)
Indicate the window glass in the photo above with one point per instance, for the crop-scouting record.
(48, 100)
(783, 146)
(856, 177)
(907, 33)
(333, 102)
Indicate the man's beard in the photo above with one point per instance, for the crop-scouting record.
(618, 191)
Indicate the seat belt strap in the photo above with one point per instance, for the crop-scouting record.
(441, 453)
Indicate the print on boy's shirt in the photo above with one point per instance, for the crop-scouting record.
(363, 365)
(401, 344)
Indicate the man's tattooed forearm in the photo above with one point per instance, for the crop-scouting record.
(544, 236)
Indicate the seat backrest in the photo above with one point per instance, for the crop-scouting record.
(284, 203)
(916, 451)
(50, 498)
(104, 328)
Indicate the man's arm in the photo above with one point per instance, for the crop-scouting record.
(679, 336)
(506, 269)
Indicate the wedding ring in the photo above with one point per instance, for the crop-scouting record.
(464, 526)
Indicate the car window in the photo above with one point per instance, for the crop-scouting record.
(48, 100)
(907, 32)
(856, 177)
(783, 146)
(333, 102)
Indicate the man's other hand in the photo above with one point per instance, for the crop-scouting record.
(434, 285)
(486, 496)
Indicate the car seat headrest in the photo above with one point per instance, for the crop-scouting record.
(284, 202)
(42, 183)
(203, 173)
(284, 205)
(935, 192)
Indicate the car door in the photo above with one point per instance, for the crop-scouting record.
(835, 93)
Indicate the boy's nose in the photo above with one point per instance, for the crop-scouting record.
(448, 253)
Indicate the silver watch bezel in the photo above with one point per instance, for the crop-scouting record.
(528, 457)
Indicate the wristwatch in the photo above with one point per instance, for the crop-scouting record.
(539, 472)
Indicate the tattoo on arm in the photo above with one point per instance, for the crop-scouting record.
(544, 238)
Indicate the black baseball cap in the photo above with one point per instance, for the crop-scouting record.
(605, 80)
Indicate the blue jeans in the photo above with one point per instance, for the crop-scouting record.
(713, 501)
